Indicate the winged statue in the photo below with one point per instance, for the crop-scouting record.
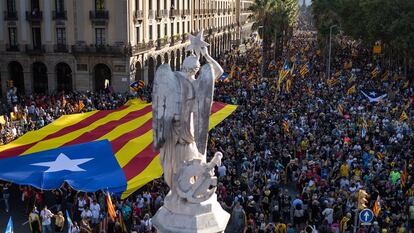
(181, 110)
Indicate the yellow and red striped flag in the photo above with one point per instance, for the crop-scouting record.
(285, 126)
(404, 176)
(288, 85)
(351, 90)
(384, 76)
(111, 210)
(128, 129)
(377, 206)
(332, 82)
(340, 109)
(403, 116)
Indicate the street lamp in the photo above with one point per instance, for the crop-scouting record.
(262, 68)
(330, 48)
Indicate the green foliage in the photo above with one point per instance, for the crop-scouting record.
(388, 21)
(275, 16)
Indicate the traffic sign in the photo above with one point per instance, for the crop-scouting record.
(366, 216)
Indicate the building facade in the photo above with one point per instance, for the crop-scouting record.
(55, 45)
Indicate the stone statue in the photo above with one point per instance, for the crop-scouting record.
(181, 111)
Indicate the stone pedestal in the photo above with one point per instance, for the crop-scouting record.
(183, 217)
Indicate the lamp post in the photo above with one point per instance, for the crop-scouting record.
(328, 74)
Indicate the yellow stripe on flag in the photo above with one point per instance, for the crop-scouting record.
(59, 141)
(133, 147)
(38, 135)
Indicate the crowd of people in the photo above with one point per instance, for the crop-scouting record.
(295, 157)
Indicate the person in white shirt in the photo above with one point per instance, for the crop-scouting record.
(46, 216)
(328, 214)
(86, 213)
(95, 209)
(222, 170)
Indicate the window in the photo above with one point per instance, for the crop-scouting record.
(172, 29)
(100, 36)
(149, 4)
(165, 29)
(99, 5)
(11, 6)
(158, 31)
(165, 4)
(183, 27)
(138, 35)
(37, 38)
(35, 6)
(61, 36)
(60, 5)
(13, 37)
(178, 28)
(188, 26)
(150, 32)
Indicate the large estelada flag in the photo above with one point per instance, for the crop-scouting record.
(99, 150)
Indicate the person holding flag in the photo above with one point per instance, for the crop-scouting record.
(34, 221)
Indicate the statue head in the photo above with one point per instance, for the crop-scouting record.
(191, 65)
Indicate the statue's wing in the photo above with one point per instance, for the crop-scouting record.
(165, 104)
(204, 87)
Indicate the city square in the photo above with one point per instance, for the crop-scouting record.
(235, 116)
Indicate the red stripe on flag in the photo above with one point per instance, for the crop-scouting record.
(108, 127)
(119, 142)
(141, 160)
(85, 122)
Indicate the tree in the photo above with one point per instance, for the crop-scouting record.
(390, 22)
(275, 19)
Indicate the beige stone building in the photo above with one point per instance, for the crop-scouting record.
(54, 45)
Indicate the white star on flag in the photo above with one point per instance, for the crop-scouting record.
(373, 93)
(63, 163)
(197, 43)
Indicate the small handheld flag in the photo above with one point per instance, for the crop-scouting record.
(377, 206)
(9, 228)
(351, 90)
(111, 210)
(376, 71)
(135, 86)
(285, 126)
(403, 116)
(70, 223)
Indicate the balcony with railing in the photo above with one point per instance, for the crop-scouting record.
(174, 13)
(151, 14)
(99, 49)
(10, 15)
(138, 16)
(175, 39)
(142, 47)
(12, 47)
(35, 49)
(162, 42)
(59, 15)
(34, 16)
(99, 16)
(61, 48)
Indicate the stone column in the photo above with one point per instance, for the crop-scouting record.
(51, 82)
(23, 23)
(28, 82)
(4, 76)
(145, 71)
(47, 24)
(3, 28)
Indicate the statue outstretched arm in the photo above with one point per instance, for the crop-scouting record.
(218, 70)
